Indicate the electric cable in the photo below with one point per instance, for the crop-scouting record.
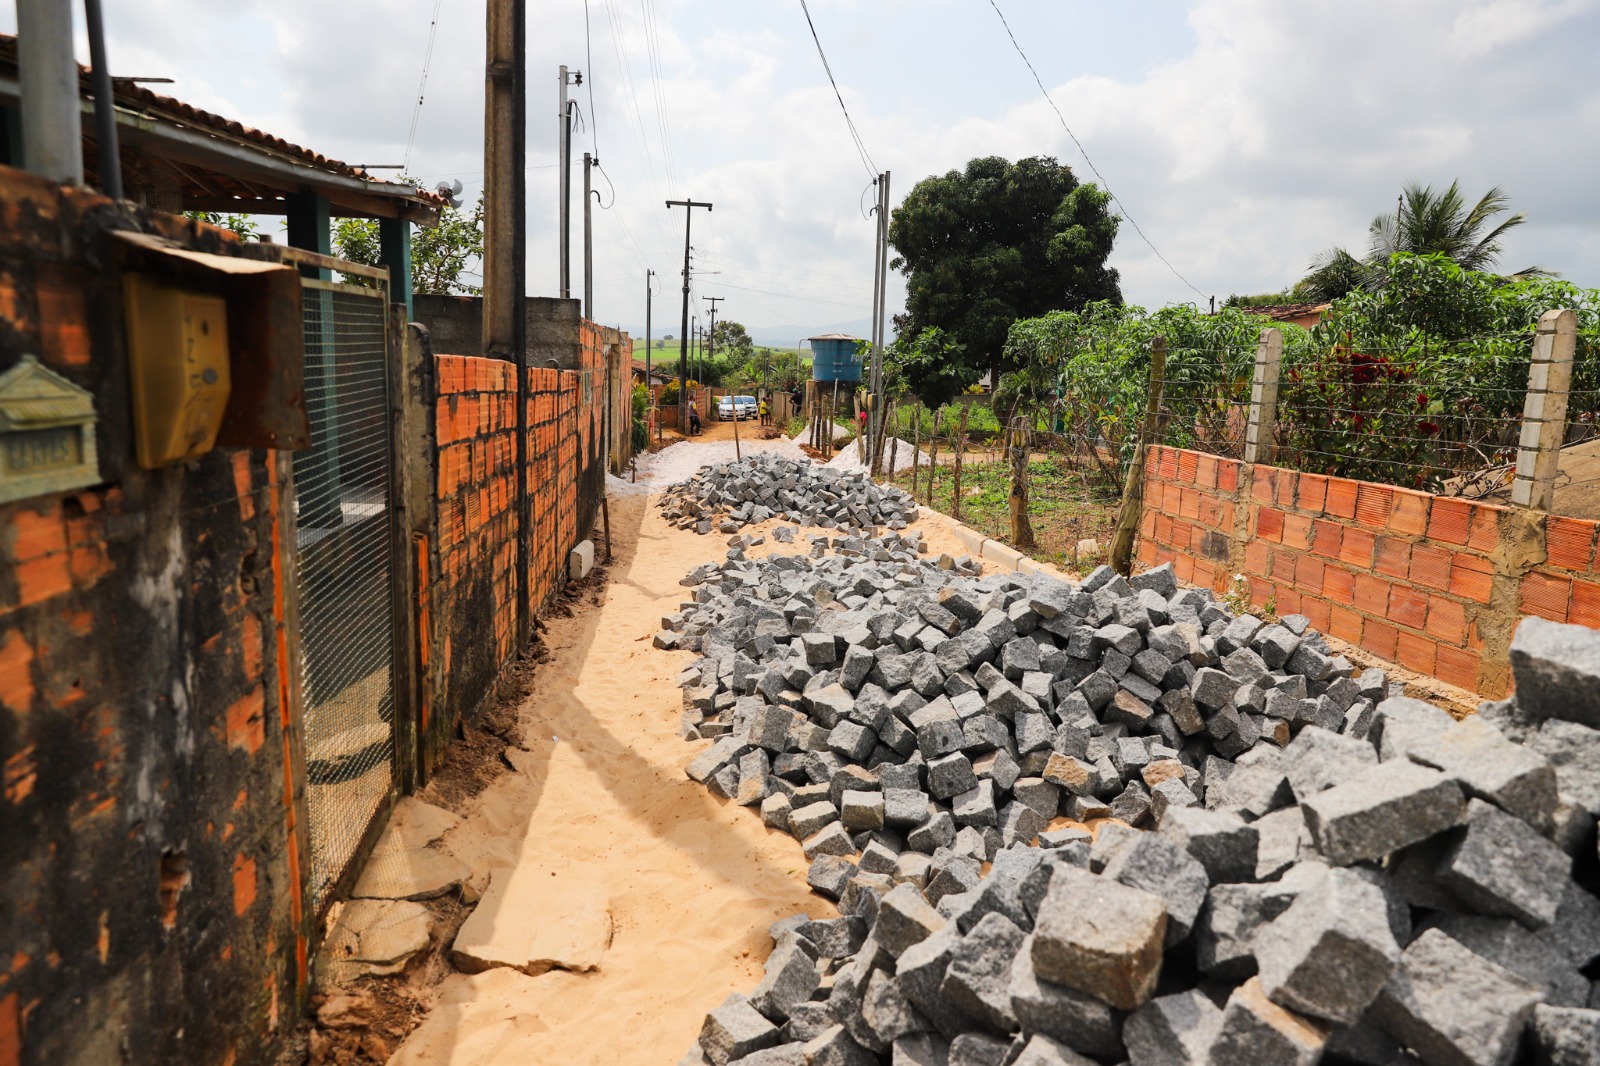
(427, 58)
(1096, 171)
(866, 158)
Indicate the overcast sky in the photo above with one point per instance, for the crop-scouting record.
(1242, 135)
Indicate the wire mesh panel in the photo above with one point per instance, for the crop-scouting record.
(343, 540)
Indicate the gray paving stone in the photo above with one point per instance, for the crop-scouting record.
(835, 1047)
(1574, 754)
(1331, 952)
(1317, 760)
(1160, 866)
(812, 818)
(1257, 1031)
(1533, 956)
(782, 1055)
(950, 775)
(1175, 1030)
(1225, 932)
(862, 810)
(978, 979)
(1382, 810)
(829, 874)
(1453, 1006)
(831, 839)
(1115, 956)
(790, 978)
(734, 1030)
(1515, 778)
(1556, 668)
(1223, 843)
(1401, 721)
(1502, 867)
(886, 1014)
(905, 918)
(1077, 1019)
(1565, 1036)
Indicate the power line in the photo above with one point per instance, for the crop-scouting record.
(1103, 183)
(866, 159)
(427, 58)
(588, 58)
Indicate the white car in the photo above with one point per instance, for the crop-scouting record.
(745, 406)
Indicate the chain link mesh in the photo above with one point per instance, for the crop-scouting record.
(346, 658)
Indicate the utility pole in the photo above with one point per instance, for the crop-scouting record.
(505, 235)
(874, 378)
(683, 343)
(711, 354)
(648, 274)
(52, 133)
(694, 348)
(564, 117)
(588, 241)
(882, 285)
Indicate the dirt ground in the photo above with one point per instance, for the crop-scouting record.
(693, 882)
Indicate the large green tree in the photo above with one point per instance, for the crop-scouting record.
(1426, 221)
(732, 341)
(995, 242)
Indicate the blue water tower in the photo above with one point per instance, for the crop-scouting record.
(834, 357)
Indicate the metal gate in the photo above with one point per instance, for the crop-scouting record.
(345, 571)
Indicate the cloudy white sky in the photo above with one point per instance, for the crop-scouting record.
(1242, 135)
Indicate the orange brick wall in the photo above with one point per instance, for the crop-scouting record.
(150, 884)
(471, 595)
(1434, 583)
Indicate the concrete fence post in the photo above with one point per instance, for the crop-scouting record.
(1258, 434)
(1544, 412)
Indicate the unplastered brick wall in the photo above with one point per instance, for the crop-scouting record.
(1434, 583)
(150, 885)
(474, 592)
(470, 611)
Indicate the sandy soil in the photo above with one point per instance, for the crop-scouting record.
(693, 881)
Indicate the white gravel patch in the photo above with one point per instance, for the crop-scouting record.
(678, 462)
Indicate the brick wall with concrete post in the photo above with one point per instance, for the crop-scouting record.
(1435, 583)
(1544, 412)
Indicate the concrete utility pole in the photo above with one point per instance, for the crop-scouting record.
(52, 133)
(711, 353)
(504, 179)
(648, 274)
(683, 344)
(505, 252)
(564, 117)
(588, 240)
(880, 300)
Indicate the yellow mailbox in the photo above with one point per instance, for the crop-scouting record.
(178, 357)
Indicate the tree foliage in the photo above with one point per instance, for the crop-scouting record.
(932, 366)
(730, 339)
(995, 242)
(439, 256)
(1425, 222)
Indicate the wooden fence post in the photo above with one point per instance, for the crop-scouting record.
(961, 448)
(933, 452)
(893, 411)
(1019, 440)
(1544, 411)
(916, 448)
(1263, 426)
(1133, 487)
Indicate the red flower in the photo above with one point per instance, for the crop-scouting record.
(1429, 428)
(1422, 400)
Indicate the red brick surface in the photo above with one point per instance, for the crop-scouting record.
(1408, 576)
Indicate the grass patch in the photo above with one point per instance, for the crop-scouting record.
(1063, 506)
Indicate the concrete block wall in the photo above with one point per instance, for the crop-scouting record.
(1434, 583)
(150, 872)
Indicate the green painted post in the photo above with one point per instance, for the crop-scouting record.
(394, 252)
(310, 229)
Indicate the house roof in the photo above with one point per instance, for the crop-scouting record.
(214, 163)
(1287, 312)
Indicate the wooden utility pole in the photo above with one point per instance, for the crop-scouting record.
(683, 343)
(1133, 487)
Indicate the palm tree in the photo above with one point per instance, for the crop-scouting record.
(1424, 222)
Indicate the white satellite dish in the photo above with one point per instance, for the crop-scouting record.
(451, 191)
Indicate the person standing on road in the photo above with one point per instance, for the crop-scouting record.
(766, 415)
(694, 419)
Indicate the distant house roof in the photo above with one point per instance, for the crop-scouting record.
(1288, 312)
(179, 157)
